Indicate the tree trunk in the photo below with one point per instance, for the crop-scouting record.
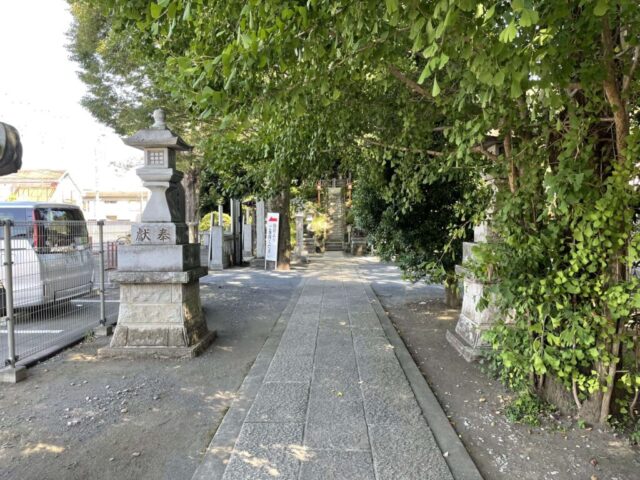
(611, 86)
(281, 204)
(191, 184)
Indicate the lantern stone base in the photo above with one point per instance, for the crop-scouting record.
(160, 315)
(467, 337)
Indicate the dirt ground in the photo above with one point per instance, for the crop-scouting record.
(77, 417)
(557, 449)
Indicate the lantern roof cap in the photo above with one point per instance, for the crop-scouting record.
(157, 136)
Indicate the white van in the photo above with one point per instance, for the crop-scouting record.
(51, 252)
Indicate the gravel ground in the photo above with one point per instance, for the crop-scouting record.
(77, 417)
(558, 449)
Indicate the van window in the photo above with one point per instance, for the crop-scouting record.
(18, 216)
(60, 228)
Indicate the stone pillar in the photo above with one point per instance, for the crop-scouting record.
(160, 312)
(217, 258)
(247, 240)
(260, 229)
(236, 230)
(300, 252)
(468, 336)
(220, 216)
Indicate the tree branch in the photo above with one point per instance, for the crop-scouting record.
(433, 153)
(626, 81)
(613, 94)
(480, 149)
(412, 85)
(574, 391)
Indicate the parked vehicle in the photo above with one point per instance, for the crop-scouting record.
(51, 252)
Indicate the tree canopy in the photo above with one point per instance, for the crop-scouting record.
(535, 100)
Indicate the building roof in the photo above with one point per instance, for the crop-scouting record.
(34, 176)
(133, 194)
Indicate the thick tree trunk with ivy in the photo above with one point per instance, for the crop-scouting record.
(615, 84)
(281, 204)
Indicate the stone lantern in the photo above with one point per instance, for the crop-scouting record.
(160, 311)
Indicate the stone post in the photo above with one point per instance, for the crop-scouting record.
(236, 230)
(160, 312)
(220, 216)
(300, 252)
(260, 229)
(217, 258)
(467, 338)
(247, 240)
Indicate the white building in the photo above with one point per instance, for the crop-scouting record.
(110, 205)
(55, 186)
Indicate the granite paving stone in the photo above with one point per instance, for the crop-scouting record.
(280, 402)
(287, 367)
(407, 451)
(337, 465)
(386, 404)
(266, 451)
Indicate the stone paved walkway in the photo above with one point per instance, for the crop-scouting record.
(335, 401)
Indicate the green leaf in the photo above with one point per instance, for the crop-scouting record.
(156, 10)
(426, 71)
(517, 5)
(444, 59)
(435, 91)
(508, 34)
(516, 89)
(528, 18)
(187, 12)
(601, 8)
(392, 6)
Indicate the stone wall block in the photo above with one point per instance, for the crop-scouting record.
(176, 293)
(471, 332)
(132, 314)
(148, 337)
(141, 293)
(119, 336)
(177, 337)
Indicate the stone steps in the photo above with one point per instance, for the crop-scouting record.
(333, 246)
(335, 202)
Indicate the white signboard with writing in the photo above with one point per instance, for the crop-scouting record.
(271, 250)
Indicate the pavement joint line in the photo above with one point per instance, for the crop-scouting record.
(366, 415)
(458, 459)
(215, 459)
(306, 417)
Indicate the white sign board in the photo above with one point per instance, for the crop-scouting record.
(271, 250)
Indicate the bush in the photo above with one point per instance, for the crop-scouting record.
(420, 240)
(527, 408)
(205, 223)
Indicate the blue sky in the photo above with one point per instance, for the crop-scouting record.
(40, 95)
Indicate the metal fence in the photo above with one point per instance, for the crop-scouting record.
(54, 286)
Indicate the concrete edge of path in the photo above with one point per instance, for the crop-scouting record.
(214, 461)
(458, 459)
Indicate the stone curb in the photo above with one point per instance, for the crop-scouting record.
(218, 452)
(458, 459)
